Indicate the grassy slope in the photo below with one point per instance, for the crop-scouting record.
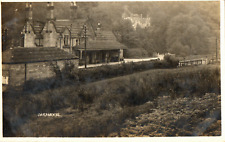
(179, 117)
(103, 108)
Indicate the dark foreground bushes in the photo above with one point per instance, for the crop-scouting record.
(103, 108)
(69, 75)
(107, 71)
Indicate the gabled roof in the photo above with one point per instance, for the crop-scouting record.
(32, 55)
(104, 40)
(47, 24)
(38, 27)
(28, 27)
(61, 24)
(76, 26)
(102, 45)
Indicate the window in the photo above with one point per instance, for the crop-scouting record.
(5, 80)
(77, 42)
(39, 42)
(66, 40)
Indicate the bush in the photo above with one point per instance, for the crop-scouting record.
(37, 86)
(69, 73)
(171, 61)
(107, 71)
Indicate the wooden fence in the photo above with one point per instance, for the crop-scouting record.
(193, 62)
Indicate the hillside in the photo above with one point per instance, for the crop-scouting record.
(179, 117)
(183, 28)
(130, 105)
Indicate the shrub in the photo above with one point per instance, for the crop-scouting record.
(107, 71)
(171, 61)
(55, 68)
(39, 85)
(85, 96)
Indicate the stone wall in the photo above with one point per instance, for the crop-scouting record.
(29, 36)
(29, 40)
(50, 36)
(50, 39)
(16, 72)
(39, 70)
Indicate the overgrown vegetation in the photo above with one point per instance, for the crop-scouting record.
(107, 71)
(69, 75)
(179, 117)
(104, 108)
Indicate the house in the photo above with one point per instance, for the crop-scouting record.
(21, 64)
(136, 19)
(68, 35)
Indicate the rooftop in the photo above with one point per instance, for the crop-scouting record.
(75, 26)
(31, 55)
(105, 35)
(102, 45)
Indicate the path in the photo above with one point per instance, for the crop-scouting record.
(121, 62)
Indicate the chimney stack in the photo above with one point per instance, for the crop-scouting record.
(73, 10)
(50, 8)
(99, 26)
(29, 12)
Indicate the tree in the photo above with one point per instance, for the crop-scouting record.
(187, 34)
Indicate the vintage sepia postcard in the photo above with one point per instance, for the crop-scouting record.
(118, 69)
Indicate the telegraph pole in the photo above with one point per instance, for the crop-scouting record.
(85, 45)
(71, 46)
(216, 48)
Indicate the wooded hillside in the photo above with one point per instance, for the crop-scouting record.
(182, 28)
